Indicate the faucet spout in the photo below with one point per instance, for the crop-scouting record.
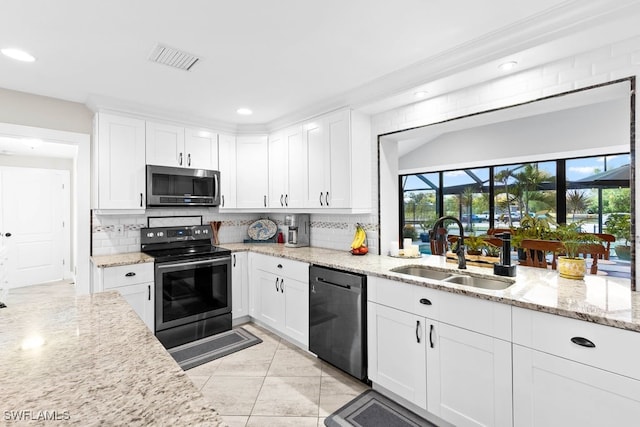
(462, 262)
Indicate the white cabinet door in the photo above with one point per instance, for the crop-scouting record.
(121, 162)
(227, 151)
(338, 173)
(468, 376)
(252, 175)
(270, 301)
(239, 285)
(201, 149)
(552, 391)
(297, 176)
(278, 170)
(165, 145)
(141, 298)
(397, 354)
(296, 305)
(315, 164)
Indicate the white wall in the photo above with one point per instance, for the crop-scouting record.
(541, 137)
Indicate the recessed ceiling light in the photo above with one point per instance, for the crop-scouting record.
(506, 66)
(420, 94)
(17, 54)
(244, 111)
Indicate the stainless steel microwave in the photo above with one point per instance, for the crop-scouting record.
(169, 186)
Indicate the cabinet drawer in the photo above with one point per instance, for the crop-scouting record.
(615, 350)
(390, 293)
(476, 314)
(282, 267)
(124, 275)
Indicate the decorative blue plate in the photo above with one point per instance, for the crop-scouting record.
(262, 229)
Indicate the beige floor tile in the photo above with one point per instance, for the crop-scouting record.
(232, 395)
(198, 380)
(253, 361)
(294, 363)
(235, 420)
(255, 421)
(288, 396)
(263, 334)
(206, 369)
(321, 422)
(334, 393)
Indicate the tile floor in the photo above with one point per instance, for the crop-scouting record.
(274, 383)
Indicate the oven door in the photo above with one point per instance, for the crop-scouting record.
(189, 291)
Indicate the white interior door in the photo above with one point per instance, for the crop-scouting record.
(35, 210)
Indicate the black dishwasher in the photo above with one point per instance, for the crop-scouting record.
(338, 318)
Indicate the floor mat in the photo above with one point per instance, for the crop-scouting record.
(371, 409)
(210, 348)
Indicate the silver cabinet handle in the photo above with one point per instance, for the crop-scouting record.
(321, 193)
(326, 199)
(180, 159)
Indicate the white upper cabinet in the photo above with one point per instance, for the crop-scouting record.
(119, 167)
(252, 174)
(176, 146)
(201, 147)
(338, 161)
(227, 151)
(287, 172)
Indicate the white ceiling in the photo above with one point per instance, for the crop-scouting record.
(281, 58)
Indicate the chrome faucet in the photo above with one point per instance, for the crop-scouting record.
(462, 262)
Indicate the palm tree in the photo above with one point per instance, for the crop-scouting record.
(577, 201)
(503, 177)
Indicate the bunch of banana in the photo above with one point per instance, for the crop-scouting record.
(358, 245)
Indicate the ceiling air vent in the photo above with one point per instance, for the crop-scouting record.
(173, 57)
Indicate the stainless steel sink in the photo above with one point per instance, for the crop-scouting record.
(459, 279)
(478, 282)
(417, 270)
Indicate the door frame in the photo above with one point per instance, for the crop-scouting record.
(80, 231)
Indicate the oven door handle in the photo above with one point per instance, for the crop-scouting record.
(213, 261)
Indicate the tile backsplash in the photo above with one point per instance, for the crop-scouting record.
(113, 234)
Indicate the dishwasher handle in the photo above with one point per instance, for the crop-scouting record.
(327, 282)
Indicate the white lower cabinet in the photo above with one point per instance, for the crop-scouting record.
(468, 376)
(239, 285)
(552, 391)
(397, 356)
(135, 284)
(460, 375)
(281, 299)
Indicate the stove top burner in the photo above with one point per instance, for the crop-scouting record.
(194, 252)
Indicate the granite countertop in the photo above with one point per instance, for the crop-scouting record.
(99, 365)
(102, 261)
(598, 298)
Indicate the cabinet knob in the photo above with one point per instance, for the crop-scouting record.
(7, 234)
(425, 301)
(130, 274)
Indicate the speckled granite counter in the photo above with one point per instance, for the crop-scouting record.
(599, 299)
(102, 261)
(99, 365)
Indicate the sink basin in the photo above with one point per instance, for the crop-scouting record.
(478, 282)
(459, 279)
(427, 273)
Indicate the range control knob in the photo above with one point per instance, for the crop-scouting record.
(197, 231)
(205, 231)
(160, 233)
(150, 234)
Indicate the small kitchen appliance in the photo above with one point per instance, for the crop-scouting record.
(299, 228)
